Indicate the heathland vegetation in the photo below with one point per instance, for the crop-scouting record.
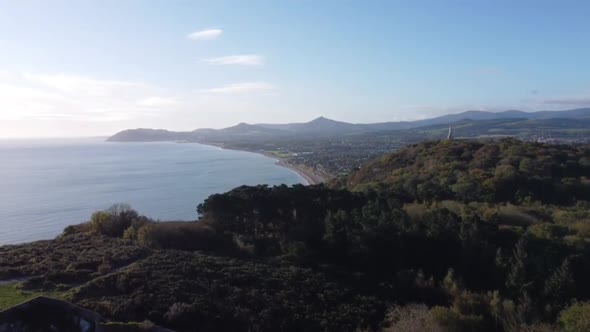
(441, 236)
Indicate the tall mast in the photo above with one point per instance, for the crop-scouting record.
(450, 135)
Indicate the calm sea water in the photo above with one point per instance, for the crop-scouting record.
(46, 185)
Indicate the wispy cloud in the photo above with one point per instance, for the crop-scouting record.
(79, 84)
(244, 60)
(568, 101)
(157, 102)
(41, 104)
(209, 34)
(237, 88)
(34, 96)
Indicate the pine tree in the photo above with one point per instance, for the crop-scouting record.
(559, 286)
(516, 280)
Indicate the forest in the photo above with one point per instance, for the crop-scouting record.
(461, 235)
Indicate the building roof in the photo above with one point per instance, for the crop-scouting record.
(47, 314)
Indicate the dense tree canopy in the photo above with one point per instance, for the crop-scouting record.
(508, 170)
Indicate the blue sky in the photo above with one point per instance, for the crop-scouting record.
(96, 67)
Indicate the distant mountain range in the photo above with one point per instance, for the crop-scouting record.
(322, 127)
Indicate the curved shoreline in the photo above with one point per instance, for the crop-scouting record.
(308, 176)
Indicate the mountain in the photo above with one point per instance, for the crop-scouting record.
(507, 127)
(581, 113)
(326, 126)
(248, 130)
(319, 125)
(323, 127)
(385, 126)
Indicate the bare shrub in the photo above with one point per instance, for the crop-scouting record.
(410, 318)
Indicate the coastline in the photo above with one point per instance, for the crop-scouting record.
(307, 175)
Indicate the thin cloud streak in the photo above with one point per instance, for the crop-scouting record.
(568, 101)
(33, 105)
(209, 34)
(157, 102)
(34, 96)
(239, 88)
(244, 60)
(79, 84)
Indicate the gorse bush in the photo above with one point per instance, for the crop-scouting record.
(576, 318)
(113, 221)
(183, 236)
(122, 221)
(180, 314)
(411, 318)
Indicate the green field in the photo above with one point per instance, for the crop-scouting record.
(280, 154)
(11, 295)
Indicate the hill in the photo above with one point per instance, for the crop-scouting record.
(148, 135)
(493, 171)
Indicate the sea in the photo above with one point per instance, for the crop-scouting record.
(48, 184)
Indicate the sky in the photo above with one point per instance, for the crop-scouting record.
(87, 68)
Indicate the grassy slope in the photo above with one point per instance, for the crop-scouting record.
(11, 294)
(52, 267)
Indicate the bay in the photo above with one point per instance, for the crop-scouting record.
(46, 185)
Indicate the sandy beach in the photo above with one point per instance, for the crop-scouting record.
(309, 176)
